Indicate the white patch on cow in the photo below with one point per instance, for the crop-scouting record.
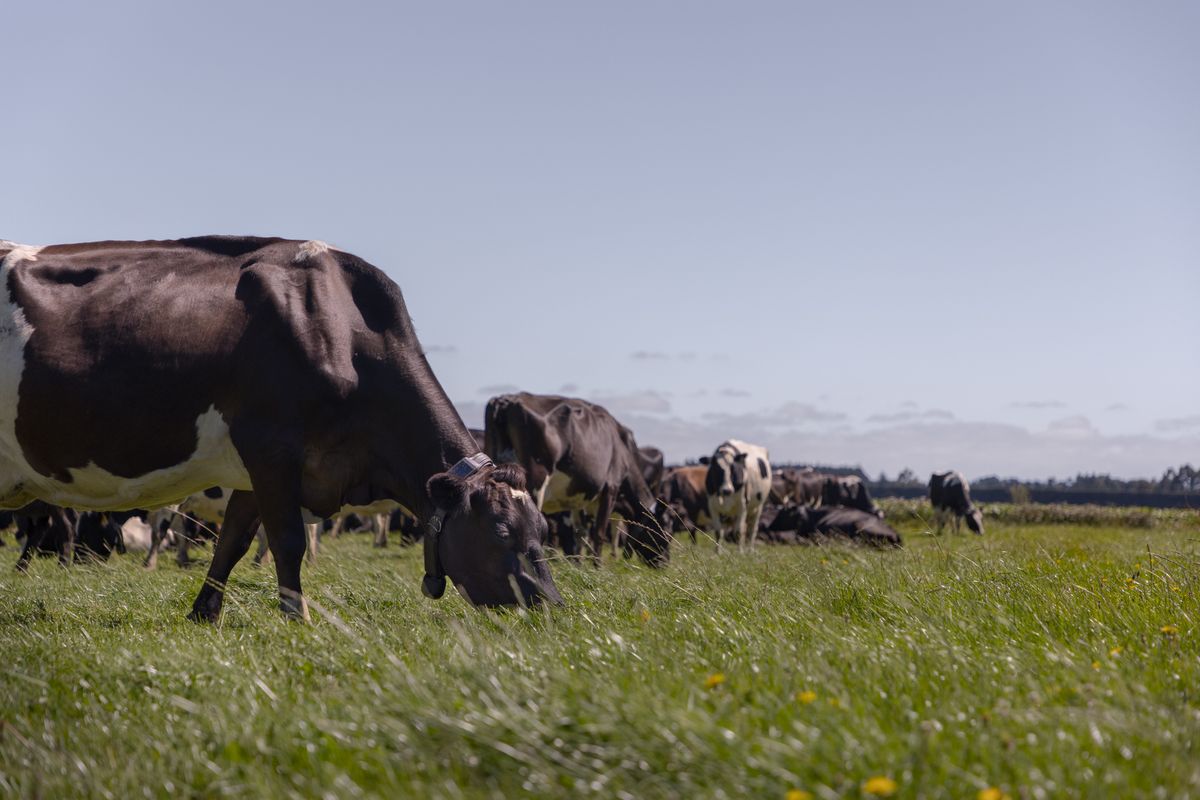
(136, 534)
(15, 331)
(518, 494)
(311, 249)
(214, 462)
(557, 498)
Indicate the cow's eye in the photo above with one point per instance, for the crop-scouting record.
(502, 532)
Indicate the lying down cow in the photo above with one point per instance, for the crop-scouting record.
(832, 522)
(288, 371)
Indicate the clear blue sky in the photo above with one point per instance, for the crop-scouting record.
(924, 233)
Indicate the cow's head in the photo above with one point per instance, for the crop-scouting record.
(487, 537)
(726, 472)
(974, 519)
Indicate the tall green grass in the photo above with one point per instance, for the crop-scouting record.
(1034, 660)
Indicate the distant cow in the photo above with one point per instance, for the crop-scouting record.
(685, 500)
(949, 493)
(790, 485)
(83, 535)
(849, 491)
(834, 521)
(816, 489)
(289, 371)
(578, 458)
(199, 516)
(737, 483)
(653, 468)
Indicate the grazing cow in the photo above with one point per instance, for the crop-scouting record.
(579, 459)
(685, 500)
(830, 521)
(653, 468)
(950, 494)
(737, 483)
(288, 371)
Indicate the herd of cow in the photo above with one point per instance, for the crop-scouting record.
(281, 385)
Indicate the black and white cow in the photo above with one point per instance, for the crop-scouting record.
(288, 371)
(851, 492)
(807, 522)
(578, 459)
(737, 483)
(816, 489)
(950, 494)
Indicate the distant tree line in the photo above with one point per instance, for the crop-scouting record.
(1176, 480)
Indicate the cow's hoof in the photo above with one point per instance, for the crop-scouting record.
(207, 607)
(295, 609)
(204, 615)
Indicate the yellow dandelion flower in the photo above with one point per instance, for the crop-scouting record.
(1116, 651)
(807, 696)
(645, 615)
(1096, 665)
(714, 680)
(1169, 630)
(798, 794)
(992, 793)
(880, 786)
(1130, 583)
(1174, 588)
(833, 701)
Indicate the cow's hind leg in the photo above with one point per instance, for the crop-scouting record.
(237, 532)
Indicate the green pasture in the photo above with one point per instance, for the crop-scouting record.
(1041, 661)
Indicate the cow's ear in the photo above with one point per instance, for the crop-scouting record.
(704, 460)
(446, 491)
(512, 475)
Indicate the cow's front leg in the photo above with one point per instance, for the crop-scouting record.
(739, 527)
(34, 534)
(604, 508)
(382, 523)
(752, 523)
(312, 534)
(159, 527)
(236, 534)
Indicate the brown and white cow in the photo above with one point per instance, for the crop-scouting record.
(686, 500)
(288, 371)
(580, 459)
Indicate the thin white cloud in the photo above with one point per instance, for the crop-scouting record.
(976, 448)
(644, 402)
(1177, 424)
(1037, 404)
(931, 415)
(499, 388)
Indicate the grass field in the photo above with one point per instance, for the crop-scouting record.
(1051, 661)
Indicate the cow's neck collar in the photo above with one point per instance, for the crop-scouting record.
(466, 467)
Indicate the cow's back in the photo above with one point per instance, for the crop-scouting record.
(122, 362)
